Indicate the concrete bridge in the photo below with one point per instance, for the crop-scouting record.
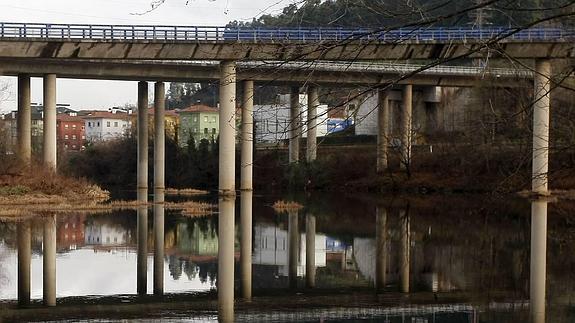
(161, 53)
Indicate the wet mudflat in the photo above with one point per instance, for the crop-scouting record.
(435, 259)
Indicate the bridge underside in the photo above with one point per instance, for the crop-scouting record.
(186, 72)
(335, 51)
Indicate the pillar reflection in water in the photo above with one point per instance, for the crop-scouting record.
(142, 271)
(404, 258)
(381, 248)
(310, 251)
(226, 259)
(538, 260)
(24, 258)
(293, 247)
(246, 243)
(49, 261)
(158, 249)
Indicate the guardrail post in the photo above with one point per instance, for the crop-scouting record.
(111, 32)
(154, 33)
(2, 29)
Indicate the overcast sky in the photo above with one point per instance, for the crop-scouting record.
(92, 94)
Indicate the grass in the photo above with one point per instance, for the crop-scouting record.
(285, 206)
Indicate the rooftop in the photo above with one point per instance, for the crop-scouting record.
(105, 115)
(199, 108)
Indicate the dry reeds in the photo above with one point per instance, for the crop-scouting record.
(185, 191)
(285, 206)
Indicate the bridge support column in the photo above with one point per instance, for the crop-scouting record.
(312, 104)
(24, 260)
(382, 130)
(24, 122)
(49, 260)
(49, 133)
(405, 257)
(538, 260)
(227, 191)
(381, 248)
(310, 251)
(406, 135)
(227, 128)
(293, 248)
(294, 125)
(142, 142)
(159, 185)
(542, 87)
(246, 186)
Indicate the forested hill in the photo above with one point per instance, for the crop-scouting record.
(394, 13)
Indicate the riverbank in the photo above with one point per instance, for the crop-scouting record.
(439, 169)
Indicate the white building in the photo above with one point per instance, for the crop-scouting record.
(271, 248)
(102, 125)
(272, 120)
(105, 235)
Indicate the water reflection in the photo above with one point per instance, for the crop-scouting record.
(310, 253)
(381, 246)
(49, 261)
(226, 259)
(142, 269)
(246, 225)
(293, 247)
(538, 260)
(24, 260)
(159, 249)
(405, 250)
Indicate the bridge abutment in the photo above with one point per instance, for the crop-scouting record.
(24, 122)
(294, 125)
(541, 106)
(382, 130)
(312, 104)
(49, 131)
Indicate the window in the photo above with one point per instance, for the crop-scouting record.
(108, 124)
(82, 127)
(65, 136)
(89, 124)
(214, 131)
(83, 137)
(195, 130)
(73, 126)
(206, 131)
(206, 119)
(213, 119)
(73, 146)
(73, 136)
(66, 126)
(195, 119)
(116, 124)
(98, 123)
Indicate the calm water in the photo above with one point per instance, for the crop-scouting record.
(439, 259)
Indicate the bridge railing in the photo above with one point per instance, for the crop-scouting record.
(241, 34)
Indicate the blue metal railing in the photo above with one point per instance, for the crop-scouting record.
(231, 34)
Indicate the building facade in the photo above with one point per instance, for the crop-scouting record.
(103, 125)
(200, 122)
(70, 132)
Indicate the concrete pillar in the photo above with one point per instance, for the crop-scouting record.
(246, 243)
(49, 132)
(24, 122)
(142, 141)
(159, 142)
(381, 248)
(404, 258)
(49, 261)
(227, 165)
(406, 131)
(382, 130)
(24, 259)
(247, 159)
(142, 257)
(226, 259)
(542, 87)
(294, 125)
(310, 251)
(293, 247)
(158, 249)
(538, 260)
(312, 104)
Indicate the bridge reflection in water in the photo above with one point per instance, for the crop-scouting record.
(300, 265)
